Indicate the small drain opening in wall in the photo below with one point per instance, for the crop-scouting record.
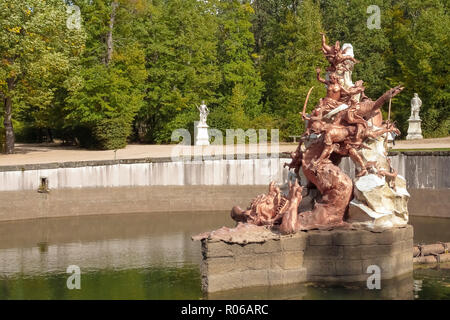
(43, 187)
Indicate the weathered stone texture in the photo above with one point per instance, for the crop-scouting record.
(284, 277)
(228, 266)
(336, 256)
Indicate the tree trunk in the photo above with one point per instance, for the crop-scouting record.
(50, 135)
(7, 122)
(109, 39)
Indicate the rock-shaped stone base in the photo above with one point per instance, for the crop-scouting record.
(340, 255)
(380, 199)
(377, 205)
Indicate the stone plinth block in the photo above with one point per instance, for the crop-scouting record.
(339, 255)
(414, 129)
(202, 135)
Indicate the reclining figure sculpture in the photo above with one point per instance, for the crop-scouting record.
(339, 126)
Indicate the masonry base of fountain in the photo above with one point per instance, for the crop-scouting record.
(339, 255)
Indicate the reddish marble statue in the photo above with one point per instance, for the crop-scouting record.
(337, 127)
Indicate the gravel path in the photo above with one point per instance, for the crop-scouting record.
(48, 153)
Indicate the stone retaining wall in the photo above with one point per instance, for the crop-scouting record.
(331, 256)
(144, 173)
(29, 204)
(123, 184)
(422, 170)
(18, 205)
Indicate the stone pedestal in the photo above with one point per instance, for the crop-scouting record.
(414, 129)
(380, 198)
(228, 265)
(376, 204)
(340, 255)
(202, 136)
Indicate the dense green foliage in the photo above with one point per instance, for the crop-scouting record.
(38, 55)
(288, 65)
(181, 60)
(136, 69)
(113, 87)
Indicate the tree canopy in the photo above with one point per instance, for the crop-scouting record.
(134, 70)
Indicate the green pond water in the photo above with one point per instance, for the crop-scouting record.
(151, 256)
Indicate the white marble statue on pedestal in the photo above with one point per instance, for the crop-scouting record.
(204, 111)
(202, 136)
(416, 103)
(414, 128)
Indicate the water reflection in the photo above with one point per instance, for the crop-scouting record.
(432, 281)
(103, 242)
(395, 289)
(151, 256)
(430, 230)
(131, 256)
(137, 284)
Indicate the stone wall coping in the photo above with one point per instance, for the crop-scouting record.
(326, 237)
(420, 153)
(95, 163)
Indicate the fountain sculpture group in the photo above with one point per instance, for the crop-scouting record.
(345, 123)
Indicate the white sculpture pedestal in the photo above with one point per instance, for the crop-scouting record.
(414, 129)
(201, 136)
